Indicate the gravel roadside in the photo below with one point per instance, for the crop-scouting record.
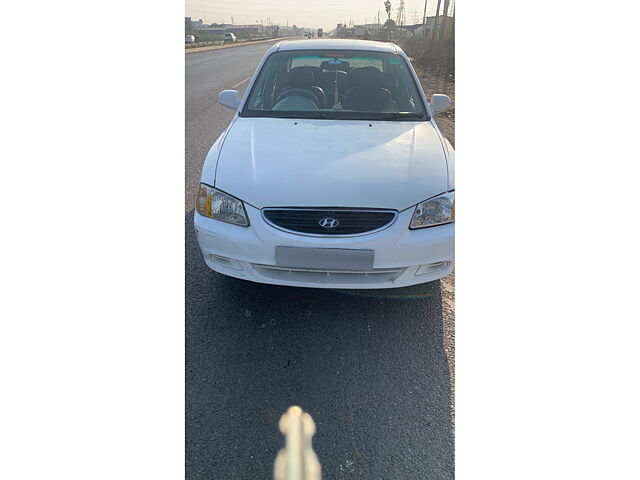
(440, 83)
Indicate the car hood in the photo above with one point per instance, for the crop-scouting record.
(276, 162)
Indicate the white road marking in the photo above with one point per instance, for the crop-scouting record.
(240, 83)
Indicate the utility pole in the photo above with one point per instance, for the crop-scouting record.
(445, 19)
(434, 32)
(453, 19)
(400, 19)
(424, 20)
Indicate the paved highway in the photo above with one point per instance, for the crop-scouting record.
(372, 367)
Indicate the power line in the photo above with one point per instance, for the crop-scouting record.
(266, 8)
(261, 4)
(319, 14)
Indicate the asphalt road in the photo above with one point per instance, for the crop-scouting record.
(372, 367)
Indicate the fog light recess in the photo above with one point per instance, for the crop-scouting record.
(431, 268)
(226, 262)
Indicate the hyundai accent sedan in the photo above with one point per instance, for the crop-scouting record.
(332, 173)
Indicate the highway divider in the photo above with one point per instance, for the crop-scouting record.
(234, 44)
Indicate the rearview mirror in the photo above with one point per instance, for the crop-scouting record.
(229, 98)
(439, 103)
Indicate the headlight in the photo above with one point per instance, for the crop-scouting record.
(213, 203)
(436, 211)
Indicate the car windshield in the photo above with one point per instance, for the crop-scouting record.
(335, 84)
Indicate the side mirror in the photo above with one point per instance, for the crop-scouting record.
(229, 98)
(439, 103)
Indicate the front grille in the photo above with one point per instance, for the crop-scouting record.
(324, 221)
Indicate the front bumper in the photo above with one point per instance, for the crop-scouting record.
(403, 257)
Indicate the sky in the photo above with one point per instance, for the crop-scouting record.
(315, 14)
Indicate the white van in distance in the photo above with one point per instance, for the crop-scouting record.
(230, 37)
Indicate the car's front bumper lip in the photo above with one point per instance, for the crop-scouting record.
(249, 253)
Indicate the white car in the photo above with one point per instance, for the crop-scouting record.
(230, 37)
(332, 173)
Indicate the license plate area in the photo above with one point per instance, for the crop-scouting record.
(324, 258)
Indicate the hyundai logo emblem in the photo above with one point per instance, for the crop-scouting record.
(329, 222)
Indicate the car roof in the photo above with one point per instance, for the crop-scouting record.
(337, 44)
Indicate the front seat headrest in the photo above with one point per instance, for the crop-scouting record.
(300, 78)
(365, 77)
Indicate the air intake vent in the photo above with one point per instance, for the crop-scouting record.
(323, 221)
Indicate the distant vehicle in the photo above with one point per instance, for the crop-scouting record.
(189, 39)
(320, 33)
(230, 37)
(332, 173)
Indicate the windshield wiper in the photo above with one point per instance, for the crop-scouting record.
(399, 116)
(317, 115)
(289, 114)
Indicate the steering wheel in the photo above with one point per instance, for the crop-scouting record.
(301, 92)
